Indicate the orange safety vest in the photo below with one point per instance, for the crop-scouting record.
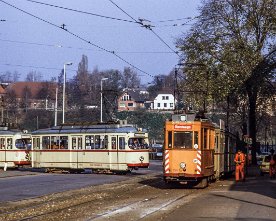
(239, 158)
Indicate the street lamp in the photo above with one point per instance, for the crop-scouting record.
(103, 79)
(63, 94)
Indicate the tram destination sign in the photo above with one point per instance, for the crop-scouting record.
(183, 127)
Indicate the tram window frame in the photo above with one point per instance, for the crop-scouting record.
(2, 143)
(9, 143)
(46, 141)
(183, 139)
(63, 143)
(196, 139)
(170, 139)
(74, 143)
(54, 142)
(204, 138)
(79, 143)
(97, 142)
(122, 143)
(89, 142)
(114, 143)
(20, 144)
(36, 143)
(103, 141)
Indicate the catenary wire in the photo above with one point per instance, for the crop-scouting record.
(78, 48)
(104, 16)
(145, 26)
(79, 11)
(79, 37)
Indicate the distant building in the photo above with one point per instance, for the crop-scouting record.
(164, 101)
(131, 100)
(31, 95)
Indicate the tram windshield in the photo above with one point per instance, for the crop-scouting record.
(137, 143)
(183, 140)
(24, 144)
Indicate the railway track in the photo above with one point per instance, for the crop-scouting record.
(137, 198)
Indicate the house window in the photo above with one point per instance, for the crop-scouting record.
(171, 104)
(130, 104)
(165, 105)
(158, 104)
(167, 97)
(125, 98)
(163, 97)
(122, 105)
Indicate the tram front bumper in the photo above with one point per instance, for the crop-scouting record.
(138, 165)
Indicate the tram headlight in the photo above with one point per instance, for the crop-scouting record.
(141, 159)
(182, 165)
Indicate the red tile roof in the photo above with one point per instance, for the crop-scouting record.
(33, 87)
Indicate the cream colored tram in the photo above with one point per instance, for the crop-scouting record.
(100, 147)
(15, 148)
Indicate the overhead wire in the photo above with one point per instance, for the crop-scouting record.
(79, 48)
(77, 36)
(30, 66)
(79, 11)
(119, 19)
(149, 27)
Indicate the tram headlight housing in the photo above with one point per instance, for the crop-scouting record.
(182, 165)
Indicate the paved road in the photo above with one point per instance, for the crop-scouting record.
(18, 185)
(253, 200)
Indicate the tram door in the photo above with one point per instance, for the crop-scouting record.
(113, 153)
(35, 156)
(77, 153)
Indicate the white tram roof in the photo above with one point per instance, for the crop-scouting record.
(92, 128)
(5, 131)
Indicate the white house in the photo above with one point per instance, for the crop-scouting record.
(164, 102)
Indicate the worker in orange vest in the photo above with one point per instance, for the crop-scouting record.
(240, 161)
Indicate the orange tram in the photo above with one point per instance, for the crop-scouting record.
(196, 150)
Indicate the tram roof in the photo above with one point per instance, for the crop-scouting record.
(11, 132)
(98, 128)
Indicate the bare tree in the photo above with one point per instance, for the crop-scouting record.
(34, 76)
(130, 78)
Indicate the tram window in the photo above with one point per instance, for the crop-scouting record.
(121, 143)
(79, 143)
(170, 139)
(97, 142)
(104, 142)
(20, 144)
(195, 139)
(204, 138)
(54, 142)
(45, 142)
(2, 143)
(183, 139)
(137, 143)
(9, 143)
(113, 143)
(74, 143)
(36, 143)
(89, 142)
(63, 142)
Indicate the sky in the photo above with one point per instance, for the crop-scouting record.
(33, 40)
